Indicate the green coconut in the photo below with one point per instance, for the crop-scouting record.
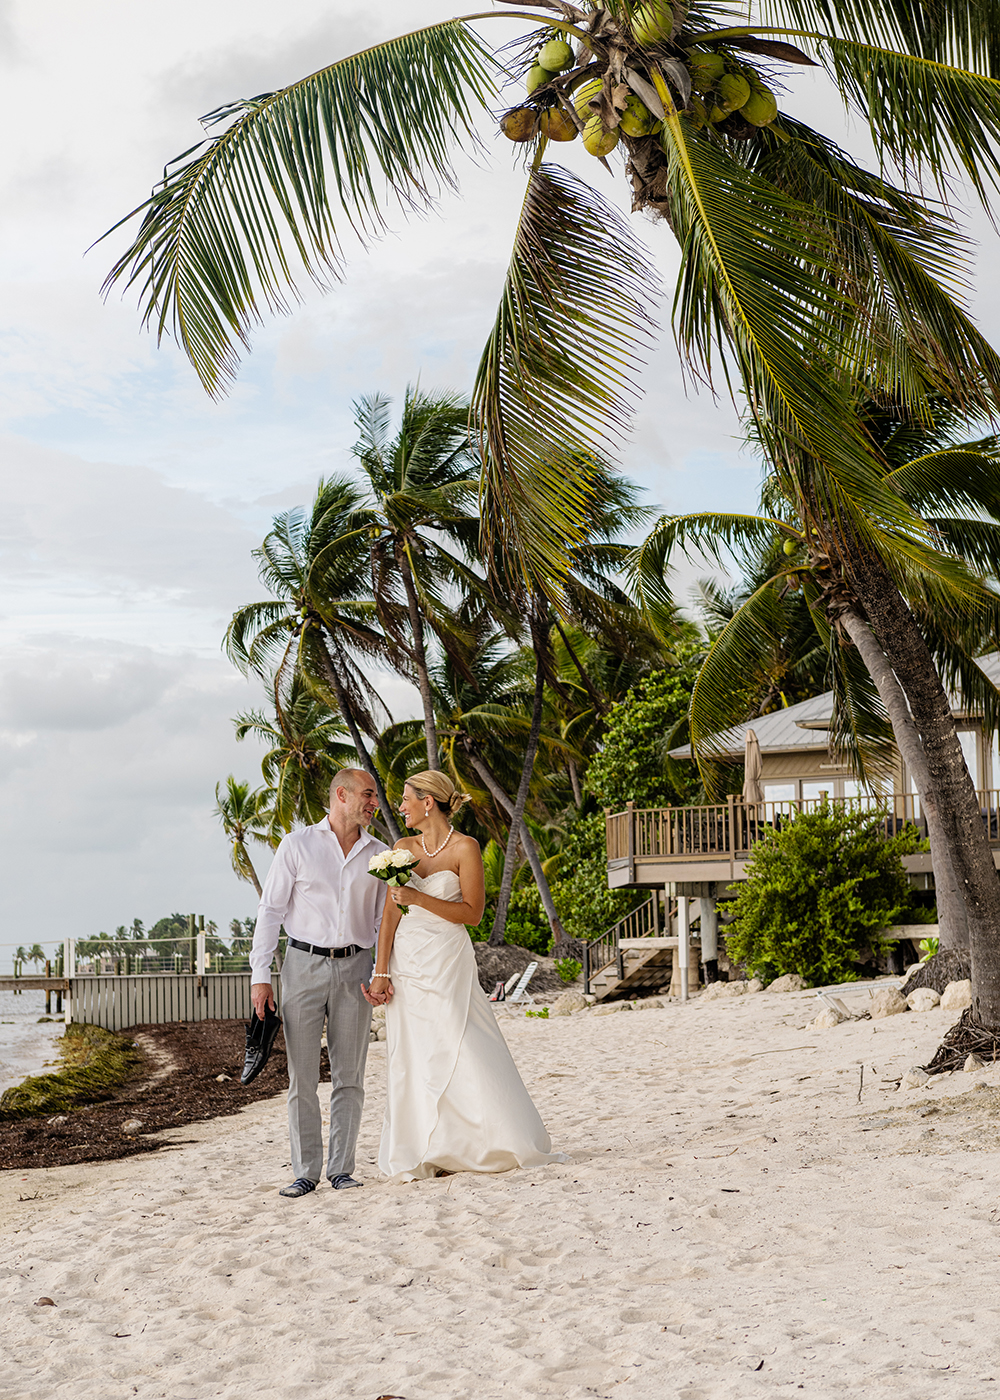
(697, 112)
(536, 77)
(651, 23)
(706, 69)
(597, 139)
(555, 55)
(733, 90)
(637, 119)
(583, 95)
(761, 107)
(790, 546)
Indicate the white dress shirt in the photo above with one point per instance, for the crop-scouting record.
(319, 894)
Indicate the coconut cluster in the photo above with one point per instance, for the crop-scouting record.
(721, 88)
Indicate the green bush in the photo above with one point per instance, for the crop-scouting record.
(527, 926)
(568, 969)
(816, 894)
(95, 1063)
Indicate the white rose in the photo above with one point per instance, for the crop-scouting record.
(379, 864)
(401, 859)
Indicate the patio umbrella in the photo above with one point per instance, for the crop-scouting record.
(753, 793)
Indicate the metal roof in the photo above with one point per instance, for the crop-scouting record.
(803, 727)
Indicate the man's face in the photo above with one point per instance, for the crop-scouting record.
(359, 802)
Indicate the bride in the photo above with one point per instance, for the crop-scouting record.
(455, 1100)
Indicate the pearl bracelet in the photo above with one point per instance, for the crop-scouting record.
(379, 974)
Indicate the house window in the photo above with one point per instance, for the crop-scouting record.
(782, 795)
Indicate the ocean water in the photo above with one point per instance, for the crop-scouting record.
(25, 1046)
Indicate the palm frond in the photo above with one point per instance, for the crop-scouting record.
(554, 391)
(961, 32)
(209, 252)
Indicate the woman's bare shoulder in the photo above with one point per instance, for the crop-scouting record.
(406, 843)
(466, 844)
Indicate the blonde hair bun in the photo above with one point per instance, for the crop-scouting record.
(438, 785)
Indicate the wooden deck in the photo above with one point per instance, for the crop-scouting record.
(679, 845)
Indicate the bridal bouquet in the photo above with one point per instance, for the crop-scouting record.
(394, 867)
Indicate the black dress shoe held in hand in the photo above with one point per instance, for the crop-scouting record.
(260, 1038)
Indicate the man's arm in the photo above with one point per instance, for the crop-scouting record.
(271, 912)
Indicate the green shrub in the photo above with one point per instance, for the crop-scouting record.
(816, 894)
(568, 969)
(542, 1015)
(95, 1063)
(527, 926)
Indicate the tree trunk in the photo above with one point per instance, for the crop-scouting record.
(364, 758)
(419, 652)
(950, 786)
(574, 778)
(953, 925)
(507, 880)
(247, 865)
(531, 850)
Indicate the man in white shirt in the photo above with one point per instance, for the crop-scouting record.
(319, 888)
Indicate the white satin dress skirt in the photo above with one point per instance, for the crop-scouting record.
(455, 1101)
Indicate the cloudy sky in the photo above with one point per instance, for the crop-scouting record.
(132, 502)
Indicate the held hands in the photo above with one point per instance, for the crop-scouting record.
(378, 992)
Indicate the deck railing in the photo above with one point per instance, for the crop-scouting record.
(733, 827)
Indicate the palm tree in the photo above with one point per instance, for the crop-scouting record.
(36, 954)
(586, 593)
(304, 755)
(245, 817)
(321, 620)
(801, 270)
(799, 576)
(482, 723)
(423, 481)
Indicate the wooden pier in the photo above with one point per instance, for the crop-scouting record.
(115, 1002)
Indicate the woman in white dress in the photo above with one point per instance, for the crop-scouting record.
(455, 1100)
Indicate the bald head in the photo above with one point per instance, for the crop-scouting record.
(353, 800)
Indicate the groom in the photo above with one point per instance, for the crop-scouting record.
(319, 888)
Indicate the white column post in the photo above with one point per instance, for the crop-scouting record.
(69, 971)
(200, 953)
(709, 915)
(683, 948)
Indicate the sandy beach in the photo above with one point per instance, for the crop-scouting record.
(734, 1223)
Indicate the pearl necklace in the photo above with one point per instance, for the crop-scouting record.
(431, 854)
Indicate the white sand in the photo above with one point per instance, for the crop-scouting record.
(733, 1225)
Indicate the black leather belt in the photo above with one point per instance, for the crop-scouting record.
(347, 952)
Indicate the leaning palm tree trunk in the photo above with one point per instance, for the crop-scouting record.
(364, 758)
(531, 850)
(246, 868)
(949, 786)
(953, 925)
(517, 816)
(419, 653)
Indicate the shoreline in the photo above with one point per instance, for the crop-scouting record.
(27, 1043)
(733, 1223)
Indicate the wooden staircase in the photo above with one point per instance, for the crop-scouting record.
(634, 955)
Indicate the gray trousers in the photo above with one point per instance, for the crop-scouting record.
(314, 989)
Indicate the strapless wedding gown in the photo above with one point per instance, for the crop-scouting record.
(455, 1100)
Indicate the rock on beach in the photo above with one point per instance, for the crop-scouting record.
(887, 1001)
(923, 999)
(957, 996)
(790, 982)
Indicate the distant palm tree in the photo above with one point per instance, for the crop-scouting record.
(321, 618)
(304, 754)
(424, 482)
(245, 817)
(36, 954)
